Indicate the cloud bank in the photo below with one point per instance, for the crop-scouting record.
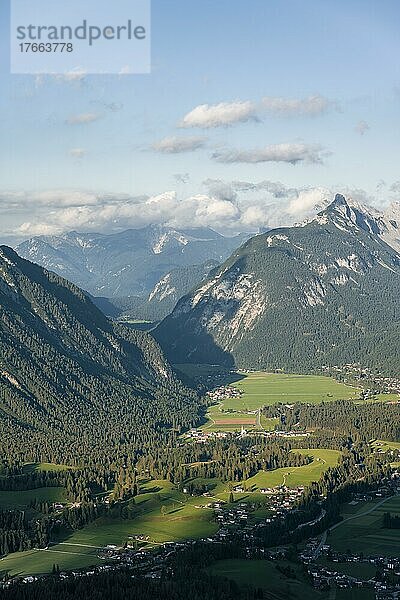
(287, 153)
(225, 206)
(227, 114)
(312, 106)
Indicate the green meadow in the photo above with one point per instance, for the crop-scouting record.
(362, 570)
(22, 499)
(277, 586)
(263, 389)
(161, 513)
(385, 398)
(37, 562)
(264, 574)
(296, 476)
(363, 531)
(385, 445)
(44, 467)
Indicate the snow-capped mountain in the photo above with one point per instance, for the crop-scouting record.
(130, 263)
(385, 224)
(324, 292)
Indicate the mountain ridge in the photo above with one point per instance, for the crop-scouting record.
(129, 263)
(70, 377)
(295, 298)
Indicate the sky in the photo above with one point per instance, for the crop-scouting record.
(254, 111)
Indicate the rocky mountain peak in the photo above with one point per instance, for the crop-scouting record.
(320, 290)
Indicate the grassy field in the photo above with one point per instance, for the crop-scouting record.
(385, 445)
(181, 521)
(362, 570)
(386, 398)
(264, 389)
(264, 574)
(162, 513)
(364, 532)
(217, 420)
(21, 499)
(37, 562)
(290, 476)
(44, 467)
(296, 476)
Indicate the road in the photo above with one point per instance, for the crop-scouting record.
(357, 516)
(362, 514)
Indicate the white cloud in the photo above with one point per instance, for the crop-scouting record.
(289, 153)
(362, 127)
(177, 145)
(274, 188)
(220, 189)
(224, 114)
(50, 199)
(307, 200)
(77, 153)
(113, 215)
(227, 207)
(290, 107)
(83, 119)
(32, 229)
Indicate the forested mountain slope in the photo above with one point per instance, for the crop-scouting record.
(325, 292)
(72, 382)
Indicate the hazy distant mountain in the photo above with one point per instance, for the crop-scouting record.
(325, 292)
(162, 298)
(131, 263)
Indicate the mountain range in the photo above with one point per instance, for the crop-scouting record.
(129, 263)
(324, 292)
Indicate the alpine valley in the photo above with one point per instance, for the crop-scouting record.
(247, 448)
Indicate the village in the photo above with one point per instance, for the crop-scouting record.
(240, 519)
(238, 523)
(357, 373)
(200, 435)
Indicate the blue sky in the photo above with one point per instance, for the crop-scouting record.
(320, 76)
